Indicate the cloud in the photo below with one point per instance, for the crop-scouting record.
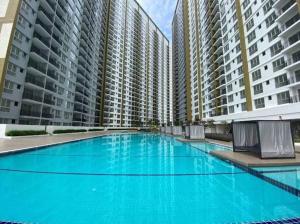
(161, 12)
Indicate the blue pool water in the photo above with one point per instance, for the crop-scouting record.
(289, 175)
(133, 179)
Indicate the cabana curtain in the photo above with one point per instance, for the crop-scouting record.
(276, 139)
(245, 135)
(197, 132)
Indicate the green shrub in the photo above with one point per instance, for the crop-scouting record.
(68, 131)
(25, 133)
(96, 129)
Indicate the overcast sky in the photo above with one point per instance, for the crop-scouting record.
(161, 11)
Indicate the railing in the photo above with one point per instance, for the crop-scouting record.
(50, 16)
(31, 113)
(52, 74)
(42, 53)
(33, 80)
(38, 66)
(44, 40)
(32, 96)
(49, 101)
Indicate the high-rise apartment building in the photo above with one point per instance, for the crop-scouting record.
(82, 63)
(243, 59)
(137, 70)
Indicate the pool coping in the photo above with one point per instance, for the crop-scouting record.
(37, 147)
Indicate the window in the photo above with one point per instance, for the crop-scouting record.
(231, 109)
(258, 89)
(237, 37)
(11, 69)
(251, 36)
(241, 82)
(268, 6)
(250, 24)
(253, 49)
(15, 52)
(293, 39)
(244, 106)
(256, 75)
(238, 48)
(229, 88)
(240, 70)
(259, 103)
(271, 19)
(226, 48)
(228, 77)
(227, 57)
(273, 33)
(246, 3)
(242, 94)
(228, 67)
(4, 105)
(230, 98)
(281, 80)
(279, 64)
(254, 62)
(248, 13)
(8, 86)
(276, 48)
(283, 98)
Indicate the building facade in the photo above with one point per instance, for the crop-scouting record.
(244, 59)
(137, 69)
(82, 63)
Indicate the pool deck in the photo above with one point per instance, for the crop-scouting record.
(17, 144)
(251, 160)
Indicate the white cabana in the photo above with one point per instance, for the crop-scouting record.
(195, 132)
(168, 130)
(187, 132)
(269, 139)
(177, 130)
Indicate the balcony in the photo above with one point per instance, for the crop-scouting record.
(33, 95)
(44, 40)
(30, 78)
(50, 86)
(54, 62)
(30, 113)
(51, 73)
(49, 100)
(38, 66)
(40, 52)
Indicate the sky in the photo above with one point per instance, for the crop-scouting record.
(161, 12)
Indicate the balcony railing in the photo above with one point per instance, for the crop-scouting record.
(34, 80)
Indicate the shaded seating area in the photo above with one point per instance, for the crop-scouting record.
(163, 129)
(195, 132)
(177, 130)
(168, 130)
(268, 139)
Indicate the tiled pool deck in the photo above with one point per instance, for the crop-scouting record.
(17, 144)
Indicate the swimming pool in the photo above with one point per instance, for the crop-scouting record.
(134, 178)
